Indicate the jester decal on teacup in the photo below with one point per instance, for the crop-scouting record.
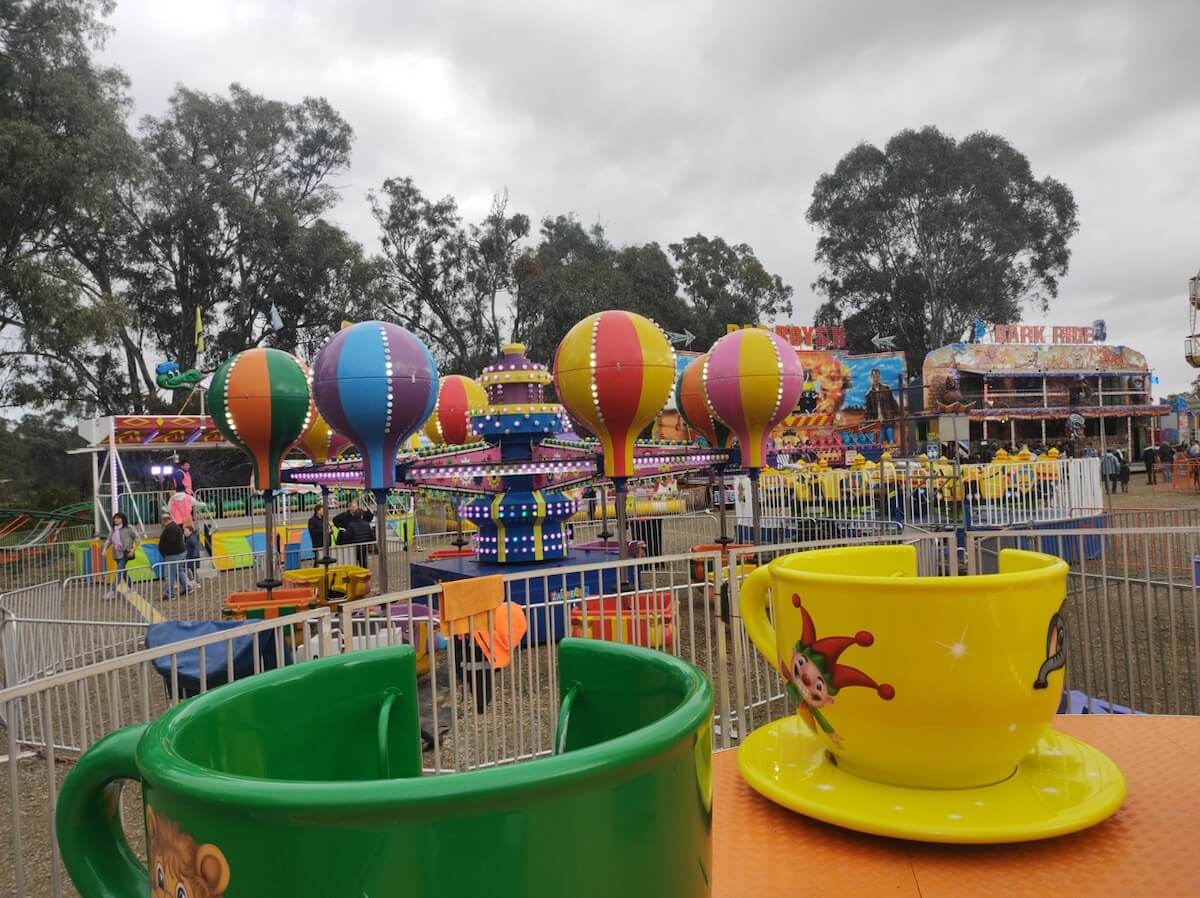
(814, 675)
(179, 868)
(1056, 650)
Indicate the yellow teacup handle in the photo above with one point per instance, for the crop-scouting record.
(756, 590)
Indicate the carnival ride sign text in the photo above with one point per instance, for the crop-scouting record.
(1040, 333)
(803, 336)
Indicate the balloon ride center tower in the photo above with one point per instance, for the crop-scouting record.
(526, 521)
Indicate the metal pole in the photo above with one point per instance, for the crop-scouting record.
(96, 492)
(957, 462)
(604, 533)
(381, 505)
(1045, 405)
(620, 490)
(269, 582)
(112, 464)
(755, 507)
(1103, 476)
(723, 539)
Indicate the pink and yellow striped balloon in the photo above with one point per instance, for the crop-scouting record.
(752, 381)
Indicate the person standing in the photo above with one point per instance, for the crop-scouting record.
(355, 526)
(1166, 458)
(316, 533)
(1124, 471)
(1150, 459)
(174, 553)
(1110, 469)
(122, 542)
(183, 477)
(191, 551)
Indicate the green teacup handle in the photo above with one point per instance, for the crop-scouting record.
(755, 592)
(93, 845)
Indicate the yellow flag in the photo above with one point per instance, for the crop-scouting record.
(199, 332)
(346, 324)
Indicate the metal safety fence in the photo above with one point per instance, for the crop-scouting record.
(931, 494)
(1181, 475)
(63, 624)
(60, 624)
(1133, 632)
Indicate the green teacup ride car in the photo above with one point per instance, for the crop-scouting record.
(306, 781)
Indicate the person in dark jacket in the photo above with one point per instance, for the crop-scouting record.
(1166, 458)
(316, 532)
(1150, 459)
(356, 530)
(174, 555)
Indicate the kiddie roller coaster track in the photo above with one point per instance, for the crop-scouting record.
(24, 532)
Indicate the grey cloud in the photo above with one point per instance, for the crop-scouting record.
(662, 119)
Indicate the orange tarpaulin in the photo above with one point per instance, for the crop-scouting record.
(508, 628)
(464, 599)
(465, 607)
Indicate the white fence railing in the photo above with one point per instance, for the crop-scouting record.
(1132, 611)
(931, 495)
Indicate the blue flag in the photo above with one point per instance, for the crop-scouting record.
(980, 329)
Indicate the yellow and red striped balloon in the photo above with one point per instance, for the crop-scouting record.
(449, 422)
(614, 372)
(752, 381)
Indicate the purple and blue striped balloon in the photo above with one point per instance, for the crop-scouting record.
(376, 383)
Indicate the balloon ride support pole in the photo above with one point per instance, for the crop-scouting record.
(620, 493)
(723, 539)
(269, 582)
(381, 510)
(604, 533)
(755, 507)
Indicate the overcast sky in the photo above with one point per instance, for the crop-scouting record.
(662, 119)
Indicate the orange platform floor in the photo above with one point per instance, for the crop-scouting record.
(1150, 847)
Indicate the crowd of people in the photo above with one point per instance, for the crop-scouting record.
(179, 544)
(1161, 460)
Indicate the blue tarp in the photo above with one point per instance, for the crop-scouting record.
(1076, 702)
(216, 665)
